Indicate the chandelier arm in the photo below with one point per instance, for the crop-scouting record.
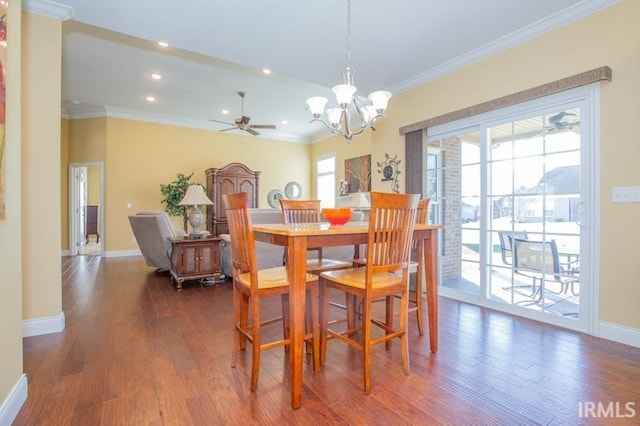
(327, 125)
(346, 122)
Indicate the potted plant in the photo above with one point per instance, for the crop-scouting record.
(173, 193)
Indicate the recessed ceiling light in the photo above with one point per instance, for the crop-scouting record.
(75, 102)
(284, 122)
(266, 71)
(224, 111)
(150, 98)
(163, 44)
(155, 76)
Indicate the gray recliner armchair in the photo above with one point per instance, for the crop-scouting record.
(152, 231)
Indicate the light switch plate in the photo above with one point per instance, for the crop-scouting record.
(625, 194)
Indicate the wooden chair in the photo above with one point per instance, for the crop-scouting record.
(417, 253)
(251, 284)
(308, 211)
(385, 274)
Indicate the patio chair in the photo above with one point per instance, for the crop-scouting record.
(539, 260)
(505, 244)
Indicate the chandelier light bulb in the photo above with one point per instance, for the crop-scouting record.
(333, 116)
(344, 94)
(316, 105)
(380, 99)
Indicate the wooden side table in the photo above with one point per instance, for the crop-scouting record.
(194, 259)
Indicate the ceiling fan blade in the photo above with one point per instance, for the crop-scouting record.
(230, 128)
(244, 120)
(223, 122)
(253, 132)
(262, 126)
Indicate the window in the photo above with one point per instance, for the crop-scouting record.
(326, 180)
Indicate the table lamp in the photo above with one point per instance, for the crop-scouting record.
(195, 197)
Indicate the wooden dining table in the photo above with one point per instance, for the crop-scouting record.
(299, 237)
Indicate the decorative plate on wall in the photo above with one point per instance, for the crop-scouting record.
(273, 198)
(293, 190)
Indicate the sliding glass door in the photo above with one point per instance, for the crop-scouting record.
(510, 193)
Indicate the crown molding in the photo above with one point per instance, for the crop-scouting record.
(95, 111)
(571, 14)
(48, 8)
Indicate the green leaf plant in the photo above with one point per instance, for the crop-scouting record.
(173, 193)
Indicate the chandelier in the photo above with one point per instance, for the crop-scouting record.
(338, 119)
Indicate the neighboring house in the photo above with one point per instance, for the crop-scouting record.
(562, 181)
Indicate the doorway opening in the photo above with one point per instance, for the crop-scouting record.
(86, 209)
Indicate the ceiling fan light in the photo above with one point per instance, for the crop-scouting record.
(316, 105)
(344, 94)
(333, 116)
(380, 99)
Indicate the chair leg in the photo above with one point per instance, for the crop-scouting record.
(243, 320)
(315, 327)
(404, 341)
(388, 320)
(255, 356)
(366, 343)
(237, 300)
(324, 320)
(285, 318)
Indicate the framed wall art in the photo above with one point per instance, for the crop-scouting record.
(357, 173)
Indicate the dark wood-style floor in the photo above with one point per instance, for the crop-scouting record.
(135, 351)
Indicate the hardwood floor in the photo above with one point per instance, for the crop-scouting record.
(135, 351)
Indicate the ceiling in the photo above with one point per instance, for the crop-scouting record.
(217, 48)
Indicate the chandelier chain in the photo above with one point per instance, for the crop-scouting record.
(348, 34)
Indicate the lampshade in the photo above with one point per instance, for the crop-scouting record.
(334, 115)
(380, 99)
(344, 93)
(195, 196)
(316, 105)
(356, 200)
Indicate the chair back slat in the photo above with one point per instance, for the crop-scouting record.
(391, 224)
(300, 211)
(243, 252)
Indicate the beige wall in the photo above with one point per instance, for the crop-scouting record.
(139, 156)
(343, 150)
(41, 185)
(64, 183)
(11, 227)
(610, 37)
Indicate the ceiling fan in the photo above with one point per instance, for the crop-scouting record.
(242, 123)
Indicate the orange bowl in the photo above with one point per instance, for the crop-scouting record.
(337, 216)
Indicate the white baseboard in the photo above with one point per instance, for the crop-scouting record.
(113, 253)
(122, 253)
(619, 333)
(14, 402)
(45, 325)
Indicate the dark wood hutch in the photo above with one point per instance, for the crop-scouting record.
(234, 177)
